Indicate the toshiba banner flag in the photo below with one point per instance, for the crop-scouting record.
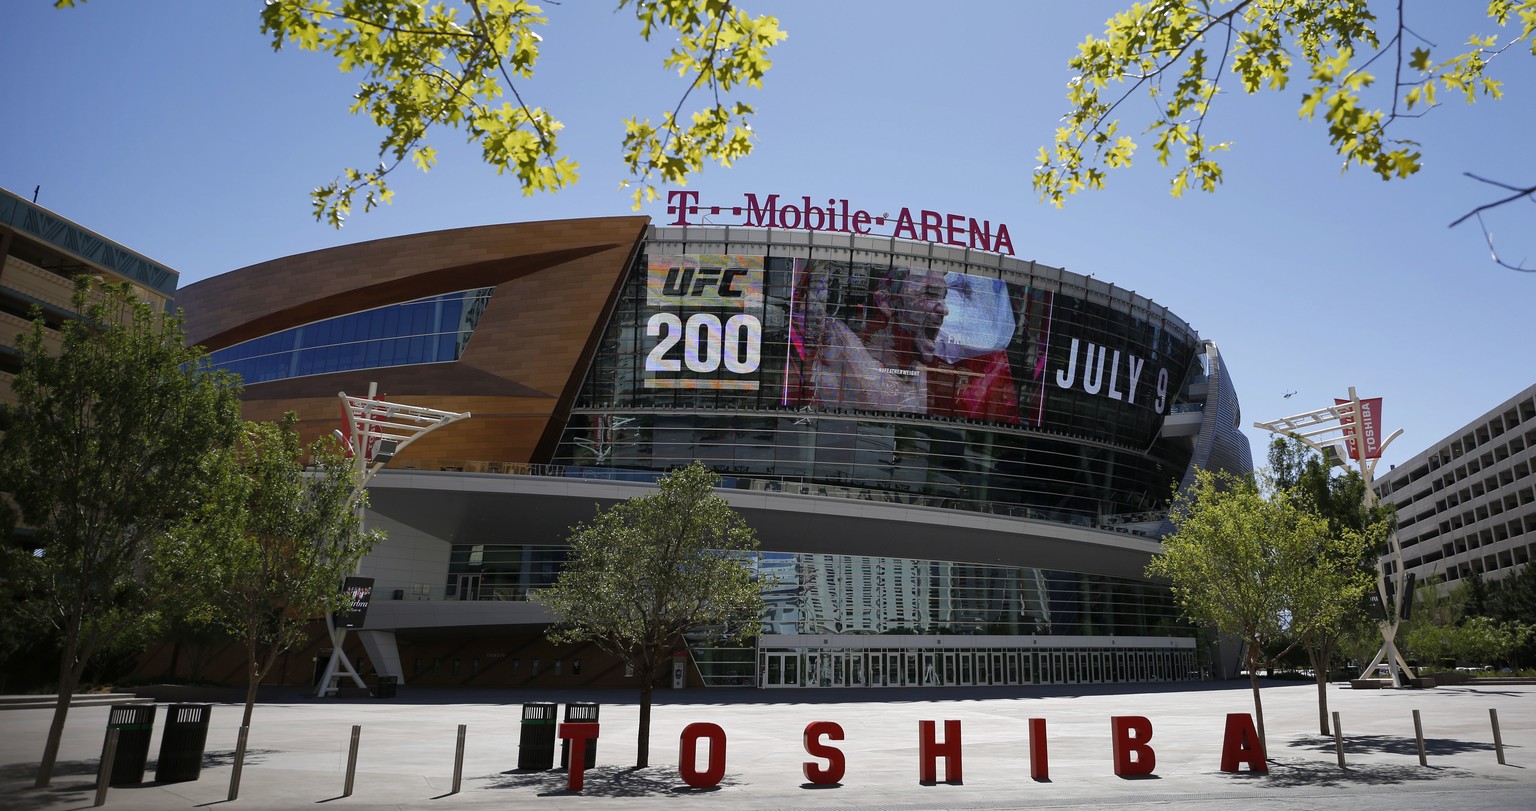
(1370, 421)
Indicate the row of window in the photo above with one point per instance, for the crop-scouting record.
(980, 469)
(435, 329)
(842, 594)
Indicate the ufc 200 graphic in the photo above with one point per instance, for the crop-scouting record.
(704, 326)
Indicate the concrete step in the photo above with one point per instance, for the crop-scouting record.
(43, 702)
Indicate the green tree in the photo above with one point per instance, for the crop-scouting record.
(110, 441)
(1513, 599)
(455, 64)
(1447, 630)
(271, 549)
(1357, 530)
(1255, 563)
(646, 571)
(1177, 53)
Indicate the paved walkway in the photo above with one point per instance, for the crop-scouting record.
(298, 751)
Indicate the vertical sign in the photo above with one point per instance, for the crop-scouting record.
(1370, 422)
(359, 591)
(679, 669)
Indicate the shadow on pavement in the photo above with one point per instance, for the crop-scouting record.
(63, 768)
(1391, 745)
(213, 760)
(73, 794)
(1287, 773)
(604, 781)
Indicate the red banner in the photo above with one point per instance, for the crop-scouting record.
(1370, 420)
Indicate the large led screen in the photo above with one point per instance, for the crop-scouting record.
(704, 322)
(866, 337)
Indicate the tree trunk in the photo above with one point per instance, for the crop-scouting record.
(643, 744)
(71, 666)
(1319, 658)
(67, 684)
(250, 695)
(1258, 706)
(255, 670)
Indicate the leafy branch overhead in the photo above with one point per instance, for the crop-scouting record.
(1179, 52)
(457, 65)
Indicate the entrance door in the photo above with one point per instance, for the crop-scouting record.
(781, 670)
(469, 587)
(892, 670)
(834, 670)
(967, 678)
(997, 670)
(931, 671)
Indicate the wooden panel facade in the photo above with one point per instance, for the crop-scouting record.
(555, 284)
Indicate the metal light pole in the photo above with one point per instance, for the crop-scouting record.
(376, 431)
(1349, 423)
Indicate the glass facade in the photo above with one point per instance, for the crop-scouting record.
(845, 594)
(888, 377)
(428, 330)
(860, 621)
(893, 372)
(501, 571)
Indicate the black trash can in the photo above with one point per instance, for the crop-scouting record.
(585, 713)
(134, 724)
(536, 746)
(182, 743)
(388, 685)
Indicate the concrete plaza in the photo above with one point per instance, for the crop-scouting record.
(298, 750)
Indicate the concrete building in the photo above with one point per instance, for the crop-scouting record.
(1467, 504)
(40, 255)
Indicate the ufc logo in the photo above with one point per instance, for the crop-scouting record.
(683, 282)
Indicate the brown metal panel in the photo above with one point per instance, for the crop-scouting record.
(555, 284)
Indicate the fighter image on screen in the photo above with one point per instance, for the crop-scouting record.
(879, 361)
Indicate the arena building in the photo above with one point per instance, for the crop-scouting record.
(957, 462)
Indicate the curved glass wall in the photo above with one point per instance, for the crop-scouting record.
(850, 594)
(852, 621)
(428, 330)
(888, 377)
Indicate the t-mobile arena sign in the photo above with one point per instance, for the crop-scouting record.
(768, 211)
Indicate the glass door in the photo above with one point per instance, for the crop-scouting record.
(930, 671)
(781, 669)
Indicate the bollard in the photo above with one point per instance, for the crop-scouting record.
(1418, 734)
(458, 760)
(1338, 738)
(234, 776)
(104, 773)
(357, 731)
(1498, 742)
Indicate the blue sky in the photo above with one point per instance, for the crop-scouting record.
(172, 127)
